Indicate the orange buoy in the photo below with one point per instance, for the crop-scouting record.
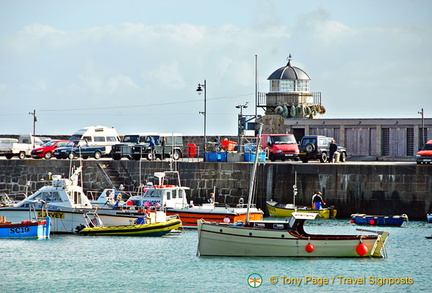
(361, 249)
(309, 248)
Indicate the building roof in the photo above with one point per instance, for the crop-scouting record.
(289, 72)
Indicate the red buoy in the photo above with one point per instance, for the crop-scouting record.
(361, 249)
(372, 221)
(352, 221)
(309, 248)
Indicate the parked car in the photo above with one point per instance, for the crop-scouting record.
(96, 136)
(46, 150)
(21, 148)
(317, 147)
(280, 146)
(124, 149)
(164, 146)
(424, 156)
(72, 151)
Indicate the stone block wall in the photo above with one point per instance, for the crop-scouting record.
(352, 188)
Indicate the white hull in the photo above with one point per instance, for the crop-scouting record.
(66, 221)
(228, 240)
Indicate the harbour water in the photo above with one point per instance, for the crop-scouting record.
(72, 263)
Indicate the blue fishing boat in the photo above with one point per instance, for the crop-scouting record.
(429, 218)
(378, 220)
(25, 229)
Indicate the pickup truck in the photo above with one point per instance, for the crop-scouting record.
(21, 148)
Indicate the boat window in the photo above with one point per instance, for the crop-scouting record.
(153, 193)
(49, 196)
(77, 198)
(174, 194)
(168, 194)
(278, 226)
(180, 193)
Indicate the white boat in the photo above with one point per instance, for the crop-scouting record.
(66, 203)
(283, 238)
(172, 197)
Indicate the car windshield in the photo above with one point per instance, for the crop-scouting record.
(50, 143)
(69, 144)
(283, 139)
(427, 147)
(131, 138)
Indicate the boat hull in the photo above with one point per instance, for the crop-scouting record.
(229, 240)
(190, 216)
(67, 220)
(26, 229)
(376, 220)
(429, 218)
(154, 229)
(287, 210)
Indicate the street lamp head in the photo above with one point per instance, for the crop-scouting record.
(199, 89)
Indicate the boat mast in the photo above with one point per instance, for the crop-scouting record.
(252, 179)
(295, 189)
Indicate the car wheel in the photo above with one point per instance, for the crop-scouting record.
(22, 155)
(304, 160)
(48, 155)
(151, 156)
(71, 155)
(177, 155)
(97, 155)
(324, 158)
(8, 156)
(342, 157)
(310, 148)
(136, 157)
(116, 157)
(271, 157)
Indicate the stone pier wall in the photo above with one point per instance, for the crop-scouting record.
(352, 188)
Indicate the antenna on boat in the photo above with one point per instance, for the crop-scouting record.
(252, 180)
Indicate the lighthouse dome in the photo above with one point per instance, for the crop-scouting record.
(289, 79)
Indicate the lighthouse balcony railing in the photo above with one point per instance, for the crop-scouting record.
(262, 98)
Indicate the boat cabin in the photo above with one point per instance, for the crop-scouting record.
(162, 195)
(61, 193)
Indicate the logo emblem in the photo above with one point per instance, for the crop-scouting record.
(254, 280)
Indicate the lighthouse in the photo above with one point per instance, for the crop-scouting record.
(289, 97)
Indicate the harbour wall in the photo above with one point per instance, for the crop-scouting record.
(372, 188)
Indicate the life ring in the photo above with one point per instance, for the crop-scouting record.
(279, 110)
(293, 111)
(306, 110)
(285, 111)
(299, 111)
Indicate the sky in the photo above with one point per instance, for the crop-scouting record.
(136, 64)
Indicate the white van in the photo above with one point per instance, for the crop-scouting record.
(96, 136)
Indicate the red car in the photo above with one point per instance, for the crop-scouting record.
(47, 149)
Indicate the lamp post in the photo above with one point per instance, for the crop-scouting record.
(421, 112)
(240, 127)
(34, 125)
(199, 91)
